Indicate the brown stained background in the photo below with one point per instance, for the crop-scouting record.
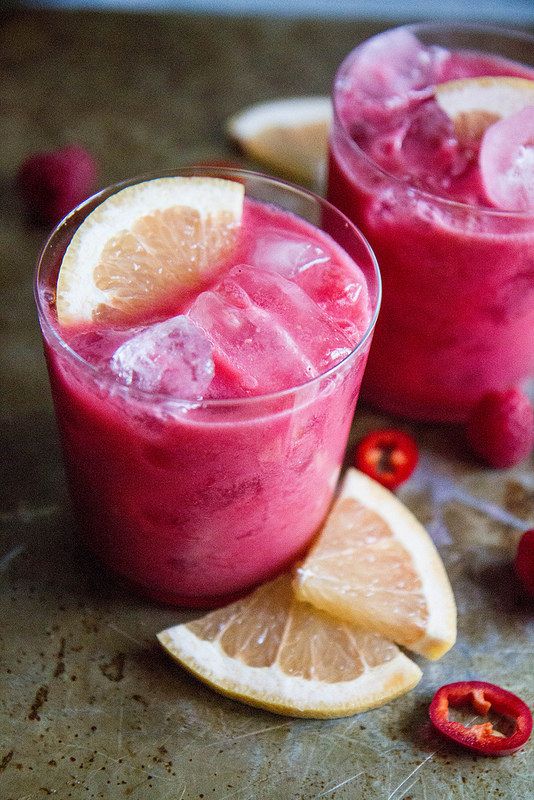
(90, 707)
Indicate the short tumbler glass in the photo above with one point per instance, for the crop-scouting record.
(457, 316)
(197, 506)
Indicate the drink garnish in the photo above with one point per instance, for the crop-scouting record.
(500, 428)
(387, 455)
(144, 245)
(273, 651)
(320, 645)
(473, 104)
(53, 182)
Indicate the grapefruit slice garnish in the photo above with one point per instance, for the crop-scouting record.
(288, 136)
(374, 566)
(506, 161)
(473, 104)
(272, 651)
(146, 244)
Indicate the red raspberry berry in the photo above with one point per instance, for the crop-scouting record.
(524, 561)
(501, 428)
(52, 183)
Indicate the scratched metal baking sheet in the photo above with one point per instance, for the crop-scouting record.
(90, 707)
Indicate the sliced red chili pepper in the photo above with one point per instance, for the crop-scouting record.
(524, 561)
(387, 455)
(482, 696)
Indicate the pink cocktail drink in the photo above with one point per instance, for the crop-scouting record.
(203, 447)
(457, 316)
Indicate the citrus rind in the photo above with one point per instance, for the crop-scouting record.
(271, 689)
(320, 588)
(288, 136)
(213, 201)
(473, 104)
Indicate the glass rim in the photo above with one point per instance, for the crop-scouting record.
(52, 334)
(339, 125)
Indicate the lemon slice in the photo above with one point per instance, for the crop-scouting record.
(271, 651)
(288, 137)
(375, 566)
(144, 244)
(473, 104)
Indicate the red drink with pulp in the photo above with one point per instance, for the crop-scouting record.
(450, 217)
(203, 444)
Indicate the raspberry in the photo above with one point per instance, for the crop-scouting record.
(52, 183)
(501, 428)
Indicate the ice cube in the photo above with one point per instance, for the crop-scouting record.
(267, 334)
(395, 64)
(340, 291)
(173, 358)
(286, 255)
(317, 336)
(253, 353)
(388, 74)
(431, 152)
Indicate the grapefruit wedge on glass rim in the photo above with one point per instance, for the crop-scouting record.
(145, 243)
(498, 113)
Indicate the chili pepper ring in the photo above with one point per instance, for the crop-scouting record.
(387, 455)
(482, 696)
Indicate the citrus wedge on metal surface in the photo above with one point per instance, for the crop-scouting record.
(288, 136)
(473, 104)
(272, 651)
(374, 566)
(144, 243)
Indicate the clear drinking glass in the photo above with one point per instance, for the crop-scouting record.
(199, 503)
(457, 316)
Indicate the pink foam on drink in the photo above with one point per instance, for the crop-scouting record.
(194, 502)
(458, 302)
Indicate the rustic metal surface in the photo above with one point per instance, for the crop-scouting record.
(90, 707)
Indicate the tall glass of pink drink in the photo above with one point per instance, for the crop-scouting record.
(194, 501)
(457, 316)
